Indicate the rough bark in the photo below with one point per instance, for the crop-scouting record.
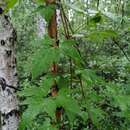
(52, 27)
(8, 76)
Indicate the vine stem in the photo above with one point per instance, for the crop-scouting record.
(81, 85)
(122, 49)
(67, 26)
(52, 32)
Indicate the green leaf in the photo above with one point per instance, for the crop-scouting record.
(39, 1)
(112, 16)
(31, 91)
(24, 122)
(67, 47)
(47, 83)
(84, 115)
(89, 76)
(63, 82)
(100, 36)
(43, 60)
(32, 101)
(30, 113)
(72, 109)
(47, 11)
(97, 18)
(64, 91)
(45, 42)
(75, 8)
(50, 107)
(85, 129)
(10, 4)
(123, 101)
(96, 115)
(70, 105)
(47, 126)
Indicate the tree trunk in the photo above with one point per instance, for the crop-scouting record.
(8, 76)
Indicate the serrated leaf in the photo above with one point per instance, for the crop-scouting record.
(46, 42)
(123, 101)
(72, 109)
(96, 115)
(84, 115)
(100, 36)
(70, 105)
(31, 91)
(29, 115)
(50, 107)
(89, 76)
(43, 60)
(47, 126)
(32, 101)
(47, 11)
(24, 122)
(47, 83)
(67, 47)
(64, 91)
(63, 82)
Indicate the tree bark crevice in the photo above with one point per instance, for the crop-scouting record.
(8, 99)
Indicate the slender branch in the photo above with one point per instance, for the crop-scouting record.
(98, 2)
(62, 18)
(65, 24)
(71, 73)
(66, 20)
(122, 49)
(81, 85)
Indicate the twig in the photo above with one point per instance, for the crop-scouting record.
(122, 49)
(81, 85)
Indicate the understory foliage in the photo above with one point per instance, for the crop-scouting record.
(92, 84)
